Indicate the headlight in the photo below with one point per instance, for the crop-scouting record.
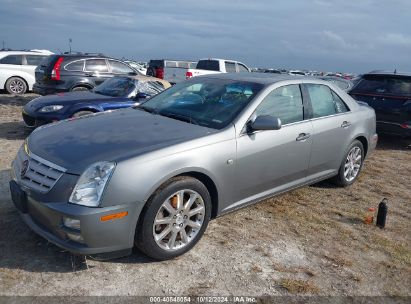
(52, 108)
(91, 184)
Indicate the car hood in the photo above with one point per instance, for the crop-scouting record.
(109, 136)
(69, 98)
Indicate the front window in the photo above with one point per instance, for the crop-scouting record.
(285, 103)
(213, 103)
(118, 67)
(116, 87)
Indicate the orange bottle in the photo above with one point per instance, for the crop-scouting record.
(369, 216)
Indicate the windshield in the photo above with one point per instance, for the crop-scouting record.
(212, 103)
(116, 87)
(393, 85)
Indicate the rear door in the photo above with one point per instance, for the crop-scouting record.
(97, 70)
(331, 121)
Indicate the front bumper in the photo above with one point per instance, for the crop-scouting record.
(46, 219)
(34, 120)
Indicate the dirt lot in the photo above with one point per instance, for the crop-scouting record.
(310, 241)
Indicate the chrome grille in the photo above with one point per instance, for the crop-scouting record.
(40, 175)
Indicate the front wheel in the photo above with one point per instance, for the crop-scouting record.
(174, 219)
(351, 165)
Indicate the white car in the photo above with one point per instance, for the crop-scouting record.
(216, 66)
(17, 69)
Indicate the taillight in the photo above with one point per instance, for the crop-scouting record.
(160, 73)
(189, 75)
(55, 74)
(406, 125)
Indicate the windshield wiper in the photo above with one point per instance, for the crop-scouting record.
(181, 117)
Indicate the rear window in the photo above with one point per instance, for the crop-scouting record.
(211, 65)
(12, 59)
(379, 84)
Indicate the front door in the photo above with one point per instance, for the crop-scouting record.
(274, 160)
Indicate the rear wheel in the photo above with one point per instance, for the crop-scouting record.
(174, 220)
(16, 86)
(80, 88)
(351, 165)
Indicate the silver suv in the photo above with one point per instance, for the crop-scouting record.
(154, 175)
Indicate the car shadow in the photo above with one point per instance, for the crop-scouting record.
(15, 100)
(14, 130)
(391, 142)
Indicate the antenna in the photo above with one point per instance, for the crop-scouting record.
(4, 43)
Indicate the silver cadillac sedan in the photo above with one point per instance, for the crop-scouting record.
(154, 175)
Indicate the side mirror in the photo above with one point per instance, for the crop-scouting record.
(141, 95)
(265, 122)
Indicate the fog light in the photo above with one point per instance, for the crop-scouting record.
(75, 237)
(71, 223)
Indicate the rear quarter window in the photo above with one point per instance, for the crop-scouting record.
(35, 59)
(77, 65)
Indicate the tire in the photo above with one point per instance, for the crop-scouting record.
(151, 72)
(80, 89)
(16, 86)
(82, 113)
(351, 165)
(179, 231)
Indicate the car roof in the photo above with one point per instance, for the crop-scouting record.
(262, 78)
(390, 73)
(5, 52)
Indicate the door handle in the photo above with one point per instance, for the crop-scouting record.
(345, 124)
(303, 136)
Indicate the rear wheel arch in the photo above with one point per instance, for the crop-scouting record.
(364, 142)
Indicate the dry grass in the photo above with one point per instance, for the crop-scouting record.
(298, 286)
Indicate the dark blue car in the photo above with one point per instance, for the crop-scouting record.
(114, 93)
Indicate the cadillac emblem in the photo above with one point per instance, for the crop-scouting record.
(24, 168)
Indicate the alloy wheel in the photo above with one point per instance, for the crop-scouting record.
(352, 164)
(16, 86)
(179, 220)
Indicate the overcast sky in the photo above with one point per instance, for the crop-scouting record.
(324, 35)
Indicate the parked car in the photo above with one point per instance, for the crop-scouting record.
(154, 175)
(297, 73)
(141, 67)
(114, 93)
(342, 83)
(389, 93)
(77, 72)
(216, 66)
(17, 69)
(173, 71)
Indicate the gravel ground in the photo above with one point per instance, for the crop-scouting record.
(309, 241)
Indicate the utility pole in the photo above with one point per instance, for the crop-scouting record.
(4, 43)
(70, 41)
